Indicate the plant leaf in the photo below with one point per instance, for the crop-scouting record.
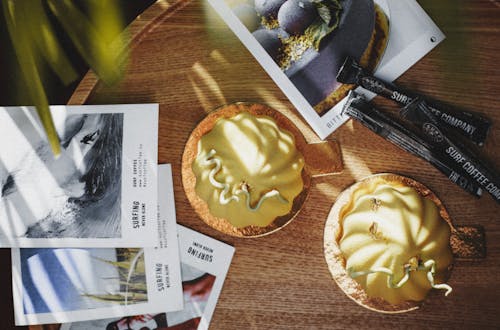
(324, 13)
(329, 18)
(92, 41)
(15, 14)
(48, 47)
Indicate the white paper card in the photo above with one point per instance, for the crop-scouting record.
(204, 263)
(412, 34)
(75, 284)
(100, 192)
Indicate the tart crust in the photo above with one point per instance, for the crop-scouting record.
(336, 261)
(189, 178)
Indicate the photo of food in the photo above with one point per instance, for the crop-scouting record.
(60, 280)
(197, 286)
(309, 40)
(74, 195)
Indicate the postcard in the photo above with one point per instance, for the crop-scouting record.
(302, 44)
(76, 284)
(204, 266)
(100, 192)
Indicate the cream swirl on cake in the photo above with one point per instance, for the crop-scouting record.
(395, 244)
(248, 170)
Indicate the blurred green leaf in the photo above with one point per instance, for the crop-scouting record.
(47, 46)
(97, 36)
(93, 39)
(27, 57)
(457, 56)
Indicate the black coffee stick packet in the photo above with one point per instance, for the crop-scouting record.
(446, 143)
(469, 124)
(359, 109)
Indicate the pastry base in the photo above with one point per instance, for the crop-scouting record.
(336, 261)
(189, 178)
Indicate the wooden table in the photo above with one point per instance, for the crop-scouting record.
(184, 58)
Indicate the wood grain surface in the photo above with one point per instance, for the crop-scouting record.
(184, 58)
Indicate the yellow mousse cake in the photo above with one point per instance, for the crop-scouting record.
(248, 170)
(394, 242)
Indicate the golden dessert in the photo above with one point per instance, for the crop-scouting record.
(387, 243)
(243, 170)
(248, 170)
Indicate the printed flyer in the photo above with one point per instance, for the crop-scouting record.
(100, 192)
(204, 266)
(303, 44)
(76, 284)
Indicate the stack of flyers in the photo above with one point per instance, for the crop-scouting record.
(204, 266)
(76, 284)
(93, 231)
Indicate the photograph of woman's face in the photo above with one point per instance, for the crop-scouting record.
(74, 195)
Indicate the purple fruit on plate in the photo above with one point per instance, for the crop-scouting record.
(281, 33)
(295, 16)
(268, 8)
(248, 16)
(269, 39)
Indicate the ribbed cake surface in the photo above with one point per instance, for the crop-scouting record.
(395, 244)
(248, 170)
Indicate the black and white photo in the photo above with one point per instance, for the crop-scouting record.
(93, 190)
(44, 196)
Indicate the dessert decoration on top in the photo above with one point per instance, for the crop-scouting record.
(387, 243)
(309, 39)
(289, 28)
(395, 244)
(248, 170)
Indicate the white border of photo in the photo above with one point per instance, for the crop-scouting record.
(213, 257)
